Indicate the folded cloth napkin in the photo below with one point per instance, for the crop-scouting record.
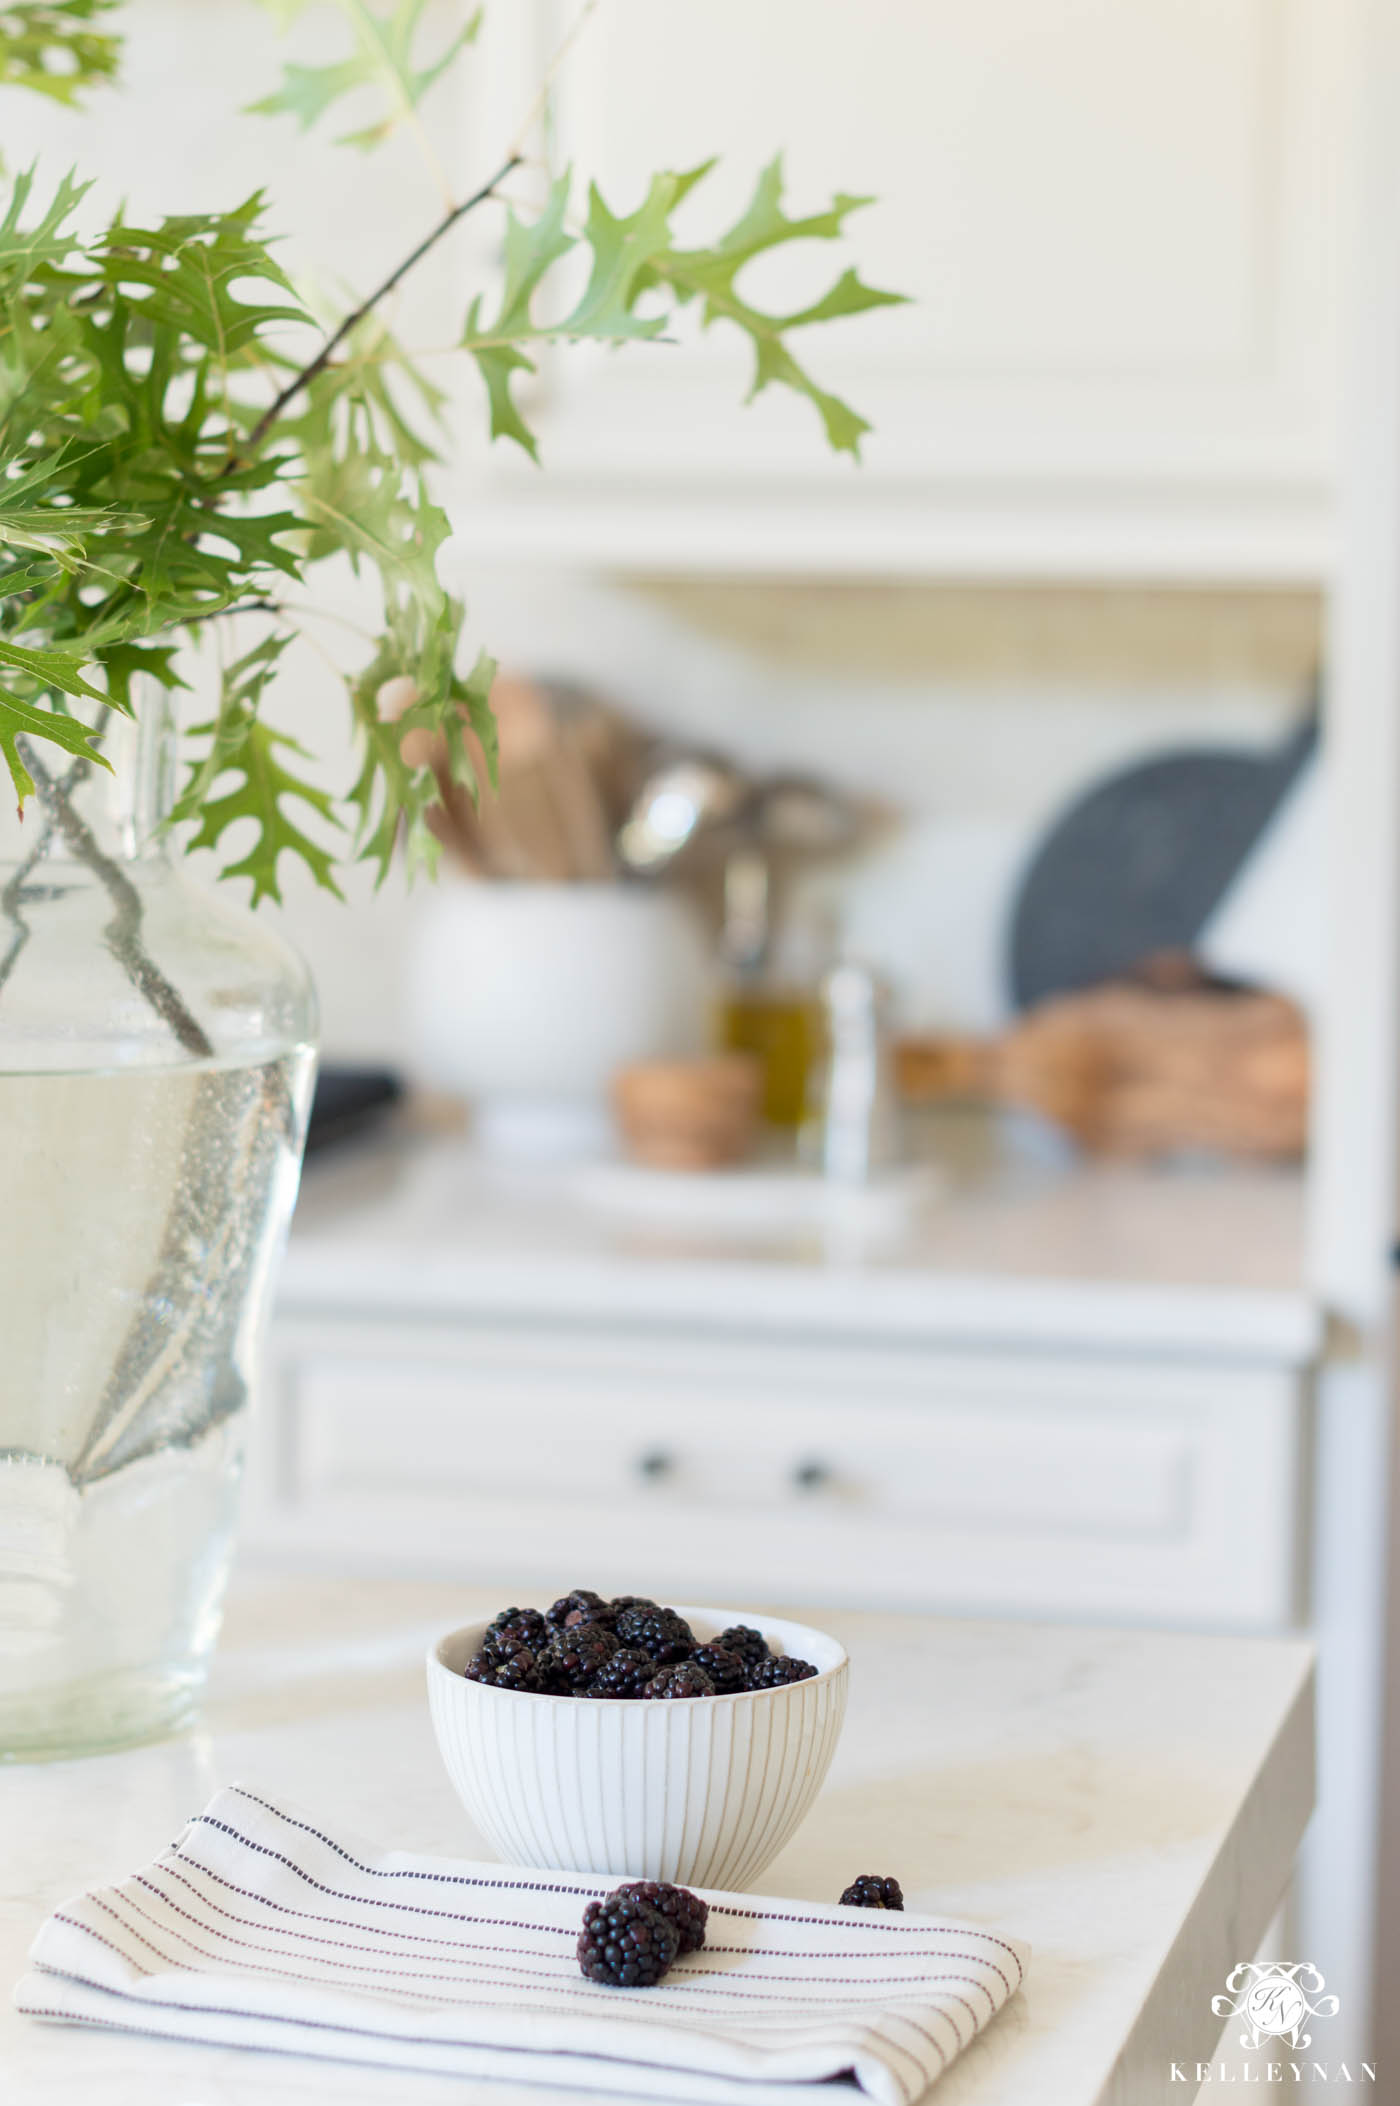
(257, 1928)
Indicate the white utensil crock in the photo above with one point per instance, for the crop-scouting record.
(526, 998)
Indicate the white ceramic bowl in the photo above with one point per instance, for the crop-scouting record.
(704, 1790)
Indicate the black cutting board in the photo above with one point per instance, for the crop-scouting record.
(1139, 863)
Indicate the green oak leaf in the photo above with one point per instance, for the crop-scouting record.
(382, 373)
(23, 249)
(190, 265)
(241, 744)
(384, 57)
(26, 582)
(18, 717)
(473, 697)
(624, 253)
(709, 275)
(498, 364)
(634, 257)
(51, 669)
(361, 502)
(394, 798)
(241, 688)
(122, 663)
(621, 252)
(307, 92)
(529, 250)
(52, 48)
(57, 530)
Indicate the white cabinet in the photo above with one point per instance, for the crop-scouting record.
(475, 1370)
(1119, 226)
(1120, 222)
(755, 1469)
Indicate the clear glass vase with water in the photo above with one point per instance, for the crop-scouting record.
(156, 1056)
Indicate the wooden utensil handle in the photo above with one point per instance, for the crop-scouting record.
(935, 1066)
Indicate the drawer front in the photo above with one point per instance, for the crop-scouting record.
(777, 1473)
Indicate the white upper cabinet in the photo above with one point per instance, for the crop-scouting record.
(1118, 220)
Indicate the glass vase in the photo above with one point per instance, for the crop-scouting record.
(156, 1057)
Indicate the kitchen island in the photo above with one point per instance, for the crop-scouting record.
(1130, 1803)
(1002, 1387)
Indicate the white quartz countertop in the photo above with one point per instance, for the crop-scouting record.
(988, 1244)
(1129, 1803)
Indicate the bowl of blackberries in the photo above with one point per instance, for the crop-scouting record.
(620, 1734)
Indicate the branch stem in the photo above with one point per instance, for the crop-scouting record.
(318, 364)
(122, 934)
(540, 106)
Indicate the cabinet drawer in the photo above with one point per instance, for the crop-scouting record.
(778, 1473)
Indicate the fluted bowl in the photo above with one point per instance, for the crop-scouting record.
(701, 1790)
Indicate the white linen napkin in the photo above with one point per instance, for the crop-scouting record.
(258, 1929)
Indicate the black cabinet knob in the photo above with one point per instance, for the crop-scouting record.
(811, 1476)
(656, 1463)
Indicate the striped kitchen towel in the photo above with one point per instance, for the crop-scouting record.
(258, 1928)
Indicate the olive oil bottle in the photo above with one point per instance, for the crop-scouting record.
(769, 1005)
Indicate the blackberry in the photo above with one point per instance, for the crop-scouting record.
(725, 1669)
(872, 1892)
(776, 1674)
(580, 1652)
(516, 1670)
(631, 1601)
(686, 1910)
(625, 1674)
(513, 1628)
(682, 1679)
(659, 1632)
(625, 1942)
(554, 1679)
(502, 1645)
(743, 1639)
(582, 1606)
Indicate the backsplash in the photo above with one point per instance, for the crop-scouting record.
(970, 713)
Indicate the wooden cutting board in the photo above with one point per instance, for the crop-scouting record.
(1137, 1071)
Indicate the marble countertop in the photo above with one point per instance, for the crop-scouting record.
(1130, 1803)
(992, 1239)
